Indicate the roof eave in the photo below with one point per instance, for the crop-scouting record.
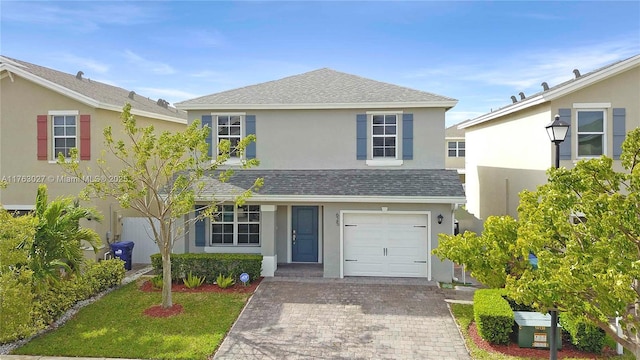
(83, 98)
(447, 104)
(342, 199)
(553, 94)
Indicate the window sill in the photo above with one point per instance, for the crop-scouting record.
(235, 245)
(231, 162)
(380, 162)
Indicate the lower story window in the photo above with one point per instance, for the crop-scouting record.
(236, 225)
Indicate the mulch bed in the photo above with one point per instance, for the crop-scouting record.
(158, 311)
(568, 350)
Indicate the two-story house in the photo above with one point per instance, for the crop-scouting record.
(44, 112)
(354, 176)
(508, 150)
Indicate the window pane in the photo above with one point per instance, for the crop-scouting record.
(390, 141)
(227, 208)
(235, 130)
(390, 119)
(223, 120)
(390, 130)
(243, 228)
(378, 119)
(461, 145)
(590, 121)
(223, 130)
(227, 217)
(452, 153)
(254, 239)
(378, 141)
(58, 131)
(378, 152)
(451, 145)
(70, 120)
(254, 228)
(217, 239)
(378, 130)
(254, 208)
(58, 120)
(227, 228)
(216, 228)
(59, 143)
(390, 152)
(235, 120)
(71, 143)
(228, 238)
(590, 145)
(254, 217)
(70, 131)
(461, 153)
(243, 239)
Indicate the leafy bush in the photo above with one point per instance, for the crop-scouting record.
(225, 281)
(210, 265)
(493, 316)
(192, 281)
(582, 334)
(100, 276)
(156, 282)
(16, 304)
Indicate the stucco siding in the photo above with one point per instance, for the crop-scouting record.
(326, 139)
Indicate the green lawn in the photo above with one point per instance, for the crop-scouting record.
(464, 316)
(115, 326)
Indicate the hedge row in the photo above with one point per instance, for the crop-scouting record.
(211, 265)
(26, 307)
(582, 334)
(493, 316)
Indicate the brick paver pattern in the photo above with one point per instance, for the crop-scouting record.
(337, 320)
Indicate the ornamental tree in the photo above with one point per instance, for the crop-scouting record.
(160, 177)
(584, 227)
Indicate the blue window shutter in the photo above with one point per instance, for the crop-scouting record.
(207, 120)
(201, 233)
(361, 137)
(250, 151)
(565, 146)
(407, 136)
(619, 131)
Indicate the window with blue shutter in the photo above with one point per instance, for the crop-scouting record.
(250, 151)
(207, 120)
(200, 227)
(565, 146)
(407, 136)
(361, 136)
(619, 131)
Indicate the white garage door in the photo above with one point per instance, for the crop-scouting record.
(385, 245)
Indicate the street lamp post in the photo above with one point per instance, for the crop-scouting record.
(557, 131)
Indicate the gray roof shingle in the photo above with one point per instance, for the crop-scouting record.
(100, 92)
(323, 86)
(360, 182)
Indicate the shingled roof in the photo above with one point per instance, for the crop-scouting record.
(423, 184)
(91, 92)
(562, 89)
(323, 88)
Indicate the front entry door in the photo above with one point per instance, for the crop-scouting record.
(304, 237)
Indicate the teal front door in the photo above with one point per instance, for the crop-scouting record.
(304, 237)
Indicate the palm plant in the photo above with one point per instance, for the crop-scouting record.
(57, 244)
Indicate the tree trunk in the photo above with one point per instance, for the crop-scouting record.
(167, 301)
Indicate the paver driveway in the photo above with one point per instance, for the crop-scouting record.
(344, 320)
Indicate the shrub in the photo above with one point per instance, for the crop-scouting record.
(192, 281)
(103, 275)
(16, 304)
(493, 316)
(224, 281)
(156, 282)
(210, 265)
(582, 334)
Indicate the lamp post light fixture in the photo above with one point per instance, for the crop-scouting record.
(440, 218)
(557, 131)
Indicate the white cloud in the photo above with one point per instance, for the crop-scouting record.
(455, 117)
(171, 95)
(85, 64)
(153, 66)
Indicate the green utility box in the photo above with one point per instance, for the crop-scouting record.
(534, 330)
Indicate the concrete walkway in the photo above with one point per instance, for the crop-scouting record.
(345, 319)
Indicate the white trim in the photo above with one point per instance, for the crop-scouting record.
(20, 207)
(551, 95)
(289, 230)
(384, 136)
(381, 162)
(63, 112)
(232, 160)
(267, 208)
(381, 212)
(83, 98)
(320, 232)
(308, 106)
(591, 105)
(386, 112)
(52, 127)
(228, 114)
(314, 199)
(603, 133)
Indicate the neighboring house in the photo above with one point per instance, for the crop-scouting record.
(455, 149)
(45, 112)
(509, 150)
(354, 176)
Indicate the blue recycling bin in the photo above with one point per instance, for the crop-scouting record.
(123, 250)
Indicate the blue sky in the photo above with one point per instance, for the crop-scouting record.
(478, 52)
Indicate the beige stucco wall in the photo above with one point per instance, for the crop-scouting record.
(21, 101)
(512, 153)
(326, 139)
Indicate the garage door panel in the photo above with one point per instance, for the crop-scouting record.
(385, 245)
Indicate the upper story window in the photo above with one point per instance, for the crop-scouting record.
(64, 134)
(230, 128)
(384, 136)
(236, 225)
(456, 148)
(591, 133)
